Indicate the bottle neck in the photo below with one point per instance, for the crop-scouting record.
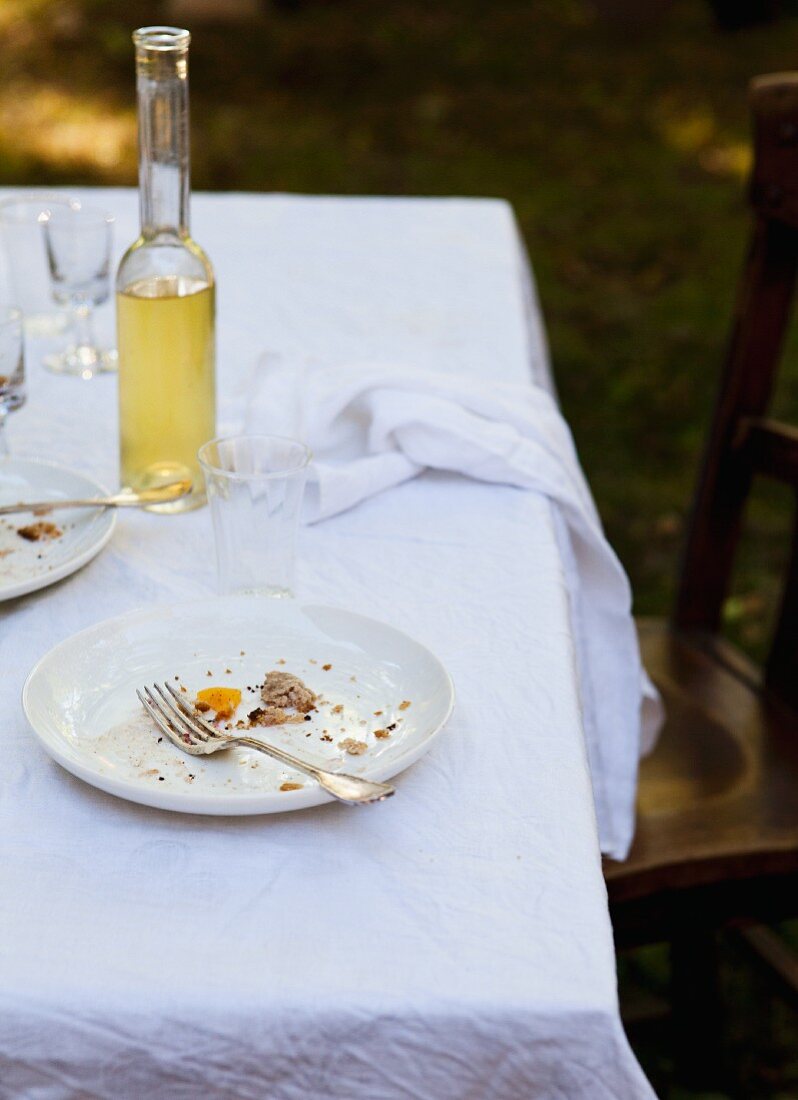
(162, 85)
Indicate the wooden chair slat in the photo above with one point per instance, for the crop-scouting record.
(781, 670)
(772, 449)
(763, 310)
(774, 180)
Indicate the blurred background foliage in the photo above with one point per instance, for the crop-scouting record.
(619, 131)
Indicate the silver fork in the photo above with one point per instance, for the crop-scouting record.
(191, 733)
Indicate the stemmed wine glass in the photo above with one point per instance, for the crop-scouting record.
(22, 241)
(12, 367)
(78, 243)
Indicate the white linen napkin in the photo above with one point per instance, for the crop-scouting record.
(371, 427)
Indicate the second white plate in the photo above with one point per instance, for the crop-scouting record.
(378, 686)
(26, 566)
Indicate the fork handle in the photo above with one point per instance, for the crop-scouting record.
(47, 506)
(283, 757)
(348, 788)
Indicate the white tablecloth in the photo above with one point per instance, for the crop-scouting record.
(452, 943)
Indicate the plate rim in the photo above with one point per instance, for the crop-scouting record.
(227, 805)
(67, 568)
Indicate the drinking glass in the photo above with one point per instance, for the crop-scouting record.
(21, 219)
(78, 243)
(255, 485)
(12, 367)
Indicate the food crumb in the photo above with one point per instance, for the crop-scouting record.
(267, 716)
(209, 673)
(311, 661)
(281, 661)
(35, 532)
(381, 734)
(291, 786)
(338, 708)
(326, 737)
(160, 779)
(404, 705)
(353, 747)
(326, 667)
(282, 689)
(353, 679)
(377, 713)
(228, 671)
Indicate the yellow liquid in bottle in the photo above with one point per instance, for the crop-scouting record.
(167, 400)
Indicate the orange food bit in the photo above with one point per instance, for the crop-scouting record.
(222, 700)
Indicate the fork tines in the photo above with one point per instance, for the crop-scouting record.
(180, 724)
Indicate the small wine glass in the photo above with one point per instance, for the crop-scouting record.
(12, 367)
(78, 243)
(22, 242)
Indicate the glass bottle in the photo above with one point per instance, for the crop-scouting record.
(165, 294)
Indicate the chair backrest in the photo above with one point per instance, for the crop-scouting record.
(743, 443)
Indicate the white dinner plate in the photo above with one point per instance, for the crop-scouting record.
(26, 566)
(81, 701)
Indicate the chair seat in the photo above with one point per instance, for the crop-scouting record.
(718, 797)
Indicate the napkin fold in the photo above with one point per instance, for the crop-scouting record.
(371, 427)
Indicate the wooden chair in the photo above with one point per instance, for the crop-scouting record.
(717, 832)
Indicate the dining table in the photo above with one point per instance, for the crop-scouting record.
(453, 942)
